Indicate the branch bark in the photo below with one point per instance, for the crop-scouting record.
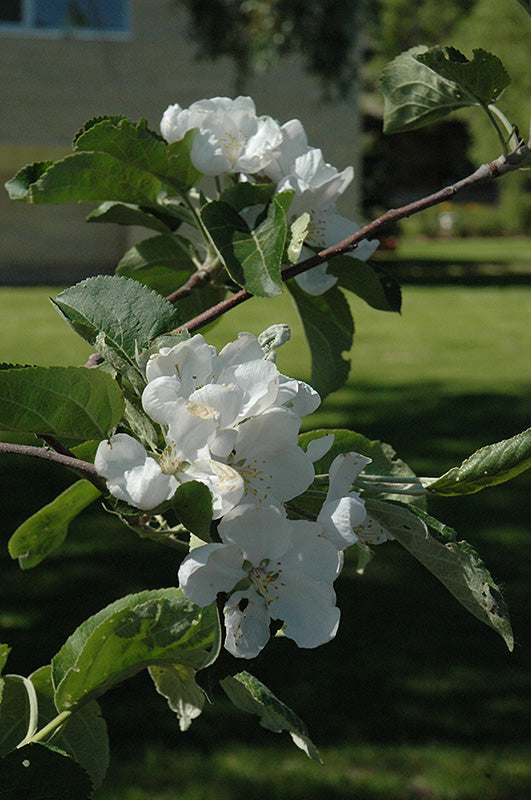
(87, 469)
(484, 174)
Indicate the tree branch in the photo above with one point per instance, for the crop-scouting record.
(85, 467)
(484, 174)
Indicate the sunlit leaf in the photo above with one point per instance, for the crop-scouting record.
(177, 684)
(46, 530)
(70, 402)
(455, 563)
(137, 631)
(250, 695)
(493, 464)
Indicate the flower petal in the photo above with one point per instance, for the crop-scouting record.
(208, 570)
(246, 624)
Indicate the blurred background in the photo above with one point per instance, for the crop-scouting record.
(415, 698)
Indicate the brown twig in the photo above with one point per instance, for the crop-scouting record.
(85, 467)
(485, 173)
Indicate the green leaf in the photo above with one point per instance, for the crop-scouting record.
(424, 84)
(246, 194)
(455, 563)
(298, 233)
(158, 251)
(137, 631)
(526, 5)
(384, 460)
(129, 314)
(39, 772)
(372, 284)
(193, 505)
(83, 737)
(4, 652)
(46, 530)
(18, 187)
(136, 144)
(67, 402)
(250, 695)
(493, 464)
(177, 684)
(252, 257)
(93, 178)
(114, 159)
(131, 214)
(329, 329)
(16, 706)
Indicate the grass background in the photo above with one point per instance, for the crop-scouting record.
(415, 698)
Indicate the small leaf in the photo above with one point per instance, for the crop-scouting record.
(424, 84)
(493, 464)
(372, 284)
(67, 402)
(483, 79)
(158, 251)
(129, 314)
(298, 231)
(46, 530)
(137, 631)
(177, 684)
(18, 188)
(455, 563)
(193, 505)
(250, 695)
(252, 257)
(83, 737)
(329, 329)
(40, 772)
(153, 217)
(246, 194)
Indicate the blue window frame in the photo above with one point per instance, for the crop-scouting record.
(90, 18)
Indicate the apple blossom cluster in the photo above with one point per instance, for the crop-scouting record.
(231, 420)
(232, 139)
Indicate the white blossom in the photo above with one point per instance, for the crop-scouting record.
(275, 569)
(231, 137)
(146, 480)
(343, 512)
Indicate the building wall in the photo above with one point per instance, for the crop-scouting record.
(51, 86)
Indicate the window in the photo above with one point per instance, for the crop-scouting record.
(90, 18)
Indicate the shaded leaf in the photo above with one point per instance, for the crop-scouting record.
(67, 402)
(252, 256)
(18, 187)
(15, 704)
(46, 530)
(250, 695)
(329, 329)
(245, 194)
(130, 214)
(4, 652)
(424, 84)
(493, 464)
(39, 772)
(455, 563)
(137, 631)
(193, 505)
(83, 737)
(372, 284)
(158, 251)
(177, 684)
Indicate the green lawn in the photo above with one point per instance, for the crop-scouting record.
(415, 698)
